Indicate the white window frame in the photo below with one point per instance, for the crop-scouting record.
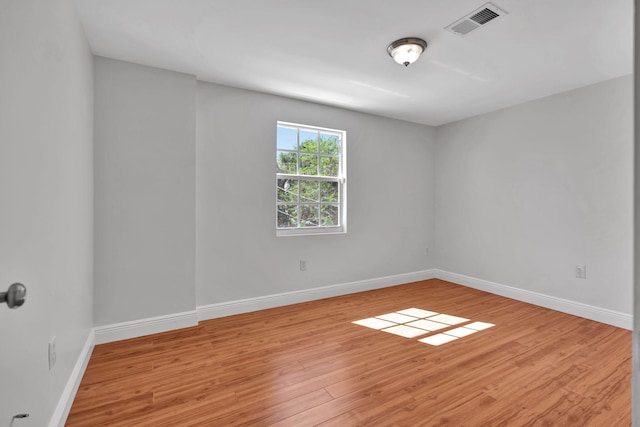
(341, 179)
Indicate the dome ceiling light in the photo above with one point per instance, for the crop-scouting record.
(407, 51)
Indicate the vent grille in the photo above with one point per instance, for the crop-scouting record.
(476, 19)
(464, 27)
(484, 16)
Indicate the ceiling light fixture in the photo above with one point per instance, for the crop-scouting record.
(407, 51)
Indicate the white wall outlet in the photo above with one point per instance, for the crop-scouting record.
(581, 271)
(52, 352)
(303, 265)
(427, 251)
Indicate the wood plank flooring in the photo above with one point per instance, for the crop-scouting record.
(308, 365)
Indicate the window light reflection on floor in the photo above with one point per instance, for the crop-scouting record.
(397, 317)
(438, 339)
(428, 325)
(374, 323)
(416, 312)
(405, 331)
(461, 332)
(448, 319)
(414, 322)
(479, 326)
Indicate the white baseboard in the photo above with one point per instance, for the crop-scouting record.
(603, 315)
(141, 327)
(213, 311)
(63, 407)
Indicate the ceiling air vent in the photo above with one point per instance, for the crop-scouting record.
(476, 19)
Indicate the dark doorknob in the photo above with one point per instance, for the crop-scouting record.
(15, 295)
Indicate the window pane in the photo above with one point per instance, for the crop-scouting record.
(308, 191)
(309, 216)
(328, 191)
(329, 143)
(308, 164)
(308, 141)
(309, 147)
(286, 162)
(329, 166)
(287, 138)
(288, 190)
(287, 216)
(329, 215)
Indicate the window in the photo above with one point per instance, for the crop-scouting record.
(310, 180)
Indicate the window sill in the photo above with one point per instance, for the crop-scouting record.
(287, 232)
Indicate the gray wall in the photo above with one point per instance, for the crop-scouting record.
(526, 193)
(518, 196)
(144, 192)
(389, 186)
(46, 213)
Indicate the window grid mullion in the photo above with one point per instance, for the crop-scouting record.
(298, 207)
(309, 177)
(298, 150)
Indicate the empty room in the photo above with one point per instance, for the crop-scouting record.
(330, 213)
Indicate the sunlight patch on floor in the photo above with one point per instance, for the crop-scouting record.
(461, 332)
(414, 322)
(374, 323)
(416, 312)
(479, 326)
(448, 319)
(438, 339)
(397, 317)
(405, 331)
(428, 325)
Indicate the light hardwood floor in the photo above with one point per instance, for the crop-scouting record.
(307, 365)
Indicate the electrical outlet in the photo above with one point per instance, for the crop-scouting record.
(427, 251)
(581, 271)
(303, 265)
(52, 352)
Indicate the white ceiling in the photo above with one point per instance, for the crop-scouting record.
(334, 51)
